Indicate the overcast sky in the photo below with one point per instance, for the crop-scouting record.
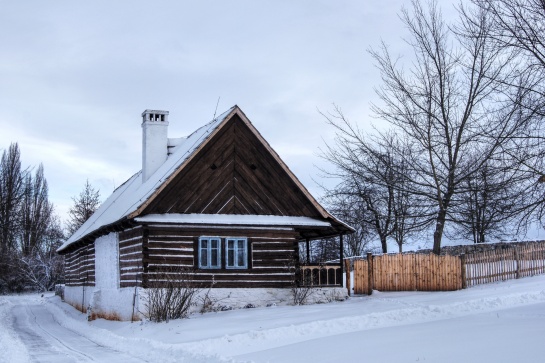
(75, 77)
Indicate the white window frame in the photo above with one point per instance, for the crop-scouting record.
(235, 251)
(209, 253)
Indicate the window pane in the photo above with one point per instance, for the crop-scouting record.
(240, 244)
(240, 257)
(214, 258)
(230, 257)
(204, 257)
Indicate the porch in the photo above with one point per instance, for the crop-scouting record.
(324, 275)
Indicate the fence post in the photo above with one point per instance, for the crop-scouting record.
(463, 270)
(517, 262)
(370, 273)
(347, 271)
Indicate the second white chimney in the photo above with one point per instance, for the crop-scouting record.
(154, 141)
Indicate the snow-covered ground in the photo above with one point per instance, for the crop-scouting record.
(502, 322)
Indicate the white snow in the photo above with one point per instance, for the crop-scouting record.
(501, 322)
(12, 349)
(233, 219)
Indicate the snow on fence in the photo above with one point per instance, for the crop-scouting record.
(421, 272)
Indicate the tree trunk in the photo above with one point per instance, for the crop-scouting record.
(438, 234)
(383, 244)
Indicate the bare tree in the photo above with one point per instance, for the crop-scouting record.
(491, 203)
(519, 26)
(350, 209)
(374, 182)
(29, 231)
(326, 249)
(84, 206)
(451, 104)
(518, 29)
(11, 195)
(35, 213)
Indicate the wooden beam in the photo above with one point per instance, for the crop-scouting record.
(347, 284)
(341, 254)
(308, 250)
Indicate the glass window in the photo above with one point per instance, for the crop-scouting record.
(237, 253)
(209, 252)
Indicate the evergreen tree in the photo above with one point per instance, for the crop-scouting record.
(84, 206)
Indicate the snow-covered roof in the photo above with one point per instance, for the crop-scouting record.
(129, 200)
(233, 219)
(133, 193)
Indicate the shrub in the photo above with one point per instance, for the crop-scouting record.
(169, 294)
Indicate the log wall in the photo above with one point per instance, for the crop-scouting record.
(270, 253)
(80, 266)
(146, 251)
(130, 257)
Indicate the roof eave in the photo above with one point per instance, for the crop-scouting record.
(117, 226)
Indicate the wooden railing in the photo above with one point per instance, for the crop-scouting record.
(320, 275)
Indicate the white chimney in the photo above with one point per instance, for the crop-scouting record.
(154, 141)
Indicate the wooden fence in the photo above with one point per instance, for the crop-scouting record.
(420, 272)
(499, 265)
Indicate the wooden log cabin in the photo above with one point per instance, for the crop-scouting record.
(220, 203)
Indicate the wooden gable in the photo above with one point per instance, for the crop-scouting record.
(233, 173)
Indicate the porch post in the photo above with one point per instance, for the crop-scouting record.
(341, 257)
(308, 251)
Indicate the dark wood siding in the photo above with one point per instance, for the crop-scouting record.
(233, 174)
(270, 253)
(80, 266)
(130, 257)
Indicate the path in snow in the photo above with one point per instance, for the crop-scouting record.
(48, 341)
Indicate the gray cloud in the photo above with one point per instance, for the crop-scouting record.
(76, 76)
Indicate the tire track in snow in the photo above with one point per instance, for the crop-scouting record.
(48, 341)
(152, 350)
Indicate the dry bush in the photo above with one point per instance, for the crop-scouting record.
(301, 294)
(169, 293)
(302, 287)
